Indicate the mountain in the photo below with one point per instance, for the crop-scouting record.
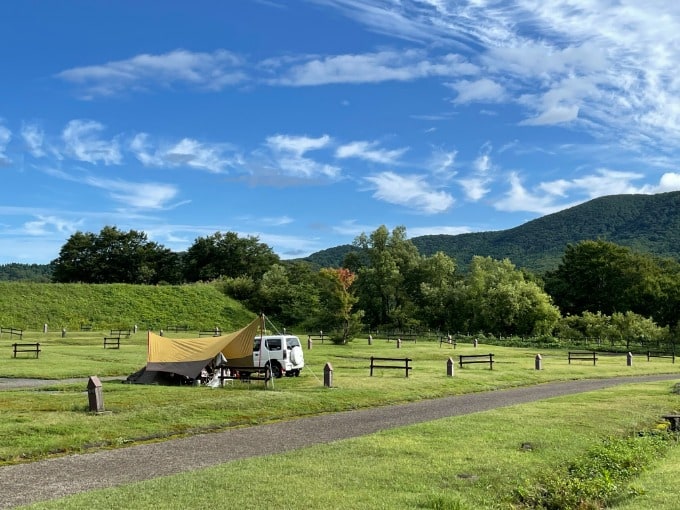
(644, 223)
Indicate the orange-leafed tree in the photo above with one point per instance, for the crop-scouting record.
(338, 301)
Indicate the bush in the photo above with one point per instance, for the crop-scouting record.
(596, 479)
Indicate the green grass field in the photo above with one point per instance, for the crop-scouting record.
(466, 462)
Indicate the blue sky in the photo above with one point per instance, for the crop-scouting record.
(306, 123)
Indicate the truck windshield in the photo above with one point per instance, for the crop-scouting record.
(292, 341)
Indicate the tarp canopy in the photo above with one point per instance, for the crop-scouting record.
(188, 356)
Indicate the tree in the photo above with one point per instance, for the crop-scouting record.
(227, 255)
(386, 283)
(114, 256)
(599, 276)
(435, 298)
(337, 302)
(496, 297)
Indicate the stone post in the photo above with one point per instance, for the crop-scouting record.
(63, 332)
(309, 343)
(160, 333)
(134, 330)
(629, 359)
(475, 343)
(398, 343)
(328, 375)
(95, 394)
(44, 328)
(538, 362)
(449, 367)
(370, 339)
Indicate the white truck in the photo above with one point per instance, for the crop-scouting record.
(281, 354)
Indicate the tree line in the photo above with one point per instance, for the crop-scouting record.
(385, 283)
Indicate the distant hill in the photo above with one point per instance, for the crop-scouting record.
(644, 223)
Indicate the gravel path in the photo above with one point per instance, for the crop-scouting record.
(22, 484)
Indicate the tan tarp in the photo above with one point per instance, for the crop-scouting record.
(188, 356)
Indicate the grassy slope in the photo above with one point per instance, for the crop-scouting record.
(30, 305)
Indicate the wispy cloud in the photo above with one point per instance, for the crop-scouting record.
(206, 71)
(544, 198)
(186, 153)
(288, 156)
(138, 195)
(44, 225)
(375, 68)
(368, 152)
(82, 143)
(33, 137)
(607, 66)
(5, 137)
(412, 191)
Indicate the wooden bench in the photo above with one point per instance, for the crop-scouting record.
(582, 356)
(244, 374)
(32, 347)
(120, 332)
(658, 354)
(177, 329)
(674, 420)
(13, 332)
(209, 332)
(321, 336)
(465, 359)
(447, 340)
(398, 363)
(112, 342)
(85, 327)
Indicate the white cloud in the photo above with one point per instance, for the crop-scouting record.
(43, 225)
(668, 182)
(518, 198)
(185, 153)
(367, 151)
(297, 145)
(375, 68)
(288, 153)
(442, 164)
(475, 188)
(410, 191)
(5, 137)
(554, 115)
(207, 71)
(82, 143)
(139, 195)
(33, 137)
(603, 182)
(483, 91)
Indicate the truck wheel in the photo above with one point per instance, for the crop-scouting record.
(275, 370)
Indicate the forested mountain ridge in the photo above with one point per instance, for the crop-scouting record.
(644, 223)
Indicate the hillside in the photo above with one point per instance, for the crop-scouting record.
(201, 306)
(645, 223)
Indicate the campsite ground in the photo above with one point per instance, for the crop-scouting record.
(39, 421)
(23, 484)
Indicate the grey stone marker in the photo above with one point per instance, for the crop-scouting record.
(398, 343)
(63, 332)
(538, 363)
(629, 359)
(328, 375)
(95, 394)
(370, 339)
(475, 343)
(449, 367)
(309, 342)
(44, 328)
